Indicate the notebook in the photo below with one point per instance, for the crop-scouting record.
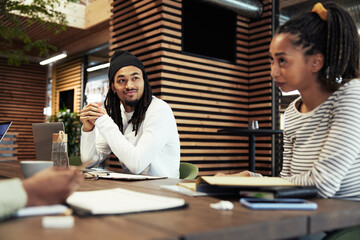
(43, 133)
(4, 127)
(265, 187)
(120, 201)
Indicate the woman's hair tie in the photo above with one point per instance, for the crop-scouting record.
(321, 11)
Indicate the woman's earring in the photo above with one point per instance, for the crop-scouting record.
(338, 79)
(327, 72)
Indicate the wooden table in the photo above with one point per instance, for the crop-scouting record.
(197, 221)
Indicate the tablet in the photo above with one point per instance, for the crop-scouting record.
(278, 203)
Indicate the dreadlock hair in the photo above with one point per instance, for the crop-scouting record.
(112, 106)
(337, 39)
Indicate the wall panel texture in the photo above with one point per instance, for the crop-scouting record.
(22, 101)
(67, 76)
(205, 94)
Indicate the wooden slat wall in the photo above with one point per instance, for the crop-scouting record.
(9, 147)
(67, 76)
(259, 35)
(22, 100)
(205, 95)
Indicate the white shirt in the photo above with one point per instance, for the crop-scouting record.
(155, 150)
(13, 197)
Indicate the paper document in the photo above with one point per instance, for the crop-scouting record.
(123, 176)
(119, 201)
(226, 185)
(183, 190)
(42, 210)
(247, 181)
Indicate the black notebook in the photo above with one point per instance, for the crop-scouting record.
(281, 192)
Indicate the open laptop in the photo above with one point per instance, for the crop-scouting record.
(4, 127)
(43, 133)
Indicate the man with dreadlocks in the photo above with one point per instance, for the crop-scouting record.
(137, 127)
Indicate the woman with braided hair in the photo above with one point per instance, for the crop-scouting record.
(137, 127)
(317, 53)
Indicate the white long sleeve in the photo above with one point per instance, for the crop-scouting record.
(13, 197)
(155, 150)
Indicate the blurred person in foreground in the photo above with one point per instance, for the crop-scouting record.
(47, 187)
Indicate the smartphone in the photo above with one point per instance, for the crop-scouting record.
(278, 203)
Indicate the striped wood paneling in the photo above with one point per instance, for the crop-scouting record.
(22, 100)
(205, 94)
(9, 147)
(67, 76)
(260, 83)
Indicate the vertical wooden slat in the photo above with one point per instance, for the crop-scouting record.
(22, 100)
(68, 77)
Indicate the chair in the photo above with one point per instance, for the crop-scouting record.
(75, 161)
(351, 233)
(188, 171)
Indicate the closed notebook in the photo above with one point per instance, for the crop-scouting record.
(265, 187)
(119, 201)
(232, 185)
(281, 192)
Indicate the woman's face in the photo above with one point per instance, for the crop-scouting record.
(290, 68)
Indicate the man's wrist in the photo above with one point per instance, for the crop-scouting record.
(85, 129)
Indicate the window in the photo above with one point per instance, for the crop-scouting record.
(66, 100)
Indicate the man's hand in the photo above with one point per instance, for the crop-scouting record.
(89, 114)
(51, 185)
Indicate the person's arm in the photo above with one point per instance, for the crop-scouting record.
(93, 147)
(51, 185)
(287, 155)
(13, 197)
(158, 127)
(341, 147)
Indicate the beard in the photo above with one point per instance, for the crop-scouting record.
(132, 103)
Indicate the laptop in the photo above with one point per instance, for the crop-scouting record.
(43, 133)
(4, 127)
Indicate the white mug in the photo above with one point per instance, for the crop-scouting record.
(29, 168)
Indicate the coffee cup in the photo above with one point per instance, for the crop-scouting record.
(29, 168)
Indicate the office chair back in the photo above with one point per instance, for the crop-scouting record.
(351, 233)
(188, 171)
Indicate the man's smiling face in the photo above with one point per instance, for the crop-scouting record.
(129, 86)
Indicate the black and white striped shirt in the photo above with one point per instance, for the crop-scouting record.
(322, 147)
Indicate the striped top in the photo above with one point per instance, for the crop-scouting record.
(322, 147)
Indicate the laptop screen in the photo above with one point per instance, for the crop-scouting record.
(4, 127)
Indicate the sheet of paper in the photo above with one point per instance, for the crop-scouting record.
(247, 181)
(119, 201)
(125, 176)
(42, 210)
(183, 190)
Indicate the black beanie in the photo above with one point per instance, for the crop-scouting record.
(122, 58)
